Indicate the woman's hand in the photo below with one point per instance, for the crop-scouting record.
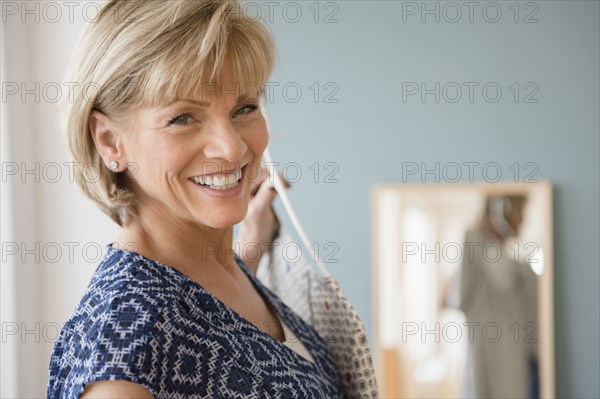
(260, 227)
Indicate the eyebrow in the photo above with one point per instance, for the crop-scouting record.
(187, 100)
(239, 99)
(244, 97)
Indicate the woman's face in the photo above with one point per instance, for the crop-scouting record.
(193, 160)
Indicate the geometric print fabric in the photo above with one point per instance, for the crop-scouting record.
(148, 323)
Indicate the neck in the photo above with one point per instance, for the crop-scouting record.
(184, 245)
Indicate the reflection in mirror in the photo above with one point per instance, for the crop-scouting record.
(463, 290)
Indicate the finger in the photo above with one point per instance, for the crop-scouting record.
(265, 194)
(286, 183)
(277, 226)
(264, 174)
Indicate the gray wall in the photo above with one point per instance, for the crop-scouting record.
(378, 47)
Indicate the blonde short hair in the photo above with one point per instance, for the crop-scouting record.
(144, 53)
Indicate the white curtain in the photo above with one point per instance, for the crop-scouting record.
(50, 233)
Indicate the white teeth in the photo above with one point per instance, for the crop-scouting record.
(220, 182)
(225, 187)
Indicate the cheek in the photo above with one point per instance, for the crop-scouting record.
(155, 160)
(257, 139)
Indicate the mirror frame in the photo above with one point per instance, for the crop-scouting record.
(546, 291)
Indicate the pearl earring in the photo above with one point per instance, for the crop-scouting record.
(114, 165)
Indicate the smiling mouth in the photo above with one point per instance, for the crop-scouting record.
(219, 181)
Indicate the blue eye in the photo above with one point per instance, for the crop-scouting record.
(247, 109)
(182, 119)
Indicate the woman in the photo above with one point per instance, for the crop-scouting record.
(168, 129)
(497, 289)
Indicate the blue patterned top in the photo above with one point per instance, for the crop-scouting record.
(148, 323)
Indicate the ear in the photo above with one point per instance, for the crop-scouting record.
(106, 138)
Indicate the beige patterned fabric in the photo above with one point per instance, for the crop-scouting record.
(321, 303)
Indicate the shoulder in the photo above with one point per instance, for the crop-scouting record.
(114, 330)
(127, 294)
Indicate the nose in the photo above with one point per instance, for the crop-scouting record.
(224, 142)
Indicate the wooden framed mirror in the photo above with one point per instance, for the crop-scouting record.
(463, 298)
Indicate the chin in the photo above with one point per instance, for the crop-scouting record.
(223, 224)
(223, 221)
